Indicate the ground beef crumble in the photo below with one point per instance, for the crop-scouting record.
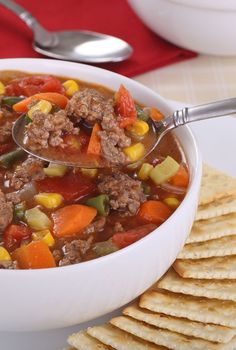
(90, 105)
(72, 252)
(96, 226)
(125, 194)
(8, 265)
(118, 227)
(5, 131)
(30, 169)
(6, 212)
(47, 129)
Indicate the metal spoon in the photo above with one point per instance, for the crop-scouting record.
(82, 46)
(157, 131)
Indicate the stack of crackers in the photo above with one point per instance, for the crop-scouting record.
(193, 307)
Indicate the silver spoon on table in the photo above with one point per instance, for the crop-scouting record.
(157, 131)
(74, 45)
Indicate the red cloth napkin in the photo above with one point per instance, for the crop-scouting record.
(113, 17)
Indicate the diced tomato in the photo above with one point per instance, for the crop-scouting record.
(71, 186)
(123, 239)
(125, 107)
(14, 234)
(29, 86)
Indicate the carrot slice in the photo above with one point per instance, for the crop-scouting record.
(72, 219)
(181, 178)
(154, 212)
(156, 115)
(53, 97)
(94, 146)
(35, 255)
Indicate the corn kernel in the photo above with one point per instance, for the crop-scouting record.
(134, 152)
(144, 171)
(49, 200)
(89, 172)
(43, 106)
(2, 88)
(45, 236)
(139, 128)
(55, 170)
(71, 87)
(172, 202)
(4, 255)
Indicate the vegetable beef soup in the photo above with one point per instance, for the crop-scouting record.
(52, 215)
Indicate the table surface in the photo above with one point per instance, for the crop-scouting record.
(198, 80)
(195, 81)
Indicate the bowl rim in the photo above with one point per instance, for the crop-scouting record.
(216, 5)
(194, 178)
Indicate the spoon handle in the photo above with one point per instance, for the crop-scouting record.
(206, 111)
(41, 35)
(197, 113)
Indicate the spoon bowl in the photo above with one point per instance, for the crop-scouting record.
(85, 46)
(81, 46)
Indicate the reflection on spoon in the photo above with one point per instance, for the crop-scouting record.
(82, 46)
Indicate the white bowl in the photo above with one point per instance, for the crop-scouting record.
(204, 26)
(59, 297)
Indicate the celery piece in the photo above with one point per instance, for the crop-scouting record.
(37, 220)
(104, 248)
(164, 171)
(144, 171)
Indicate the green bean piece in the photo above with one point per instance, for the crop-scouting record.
(11, 100)
(104, 248)
(101, 203)
(146, 188)
(8, 159)
(28, 119)
(19, 211)
(141, 115)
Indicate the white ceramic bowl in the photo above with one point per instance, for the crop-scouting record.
(60, 297)
(204, 26)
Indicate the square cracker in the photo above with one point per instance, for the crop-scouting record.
(216, 247)
(223, 267)
(215, 185)
(216, 227)
(219, 207)
(120, 340)
(163, 337)
(221, 312)
(209, 332)
(83, 341)
(218, 289)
